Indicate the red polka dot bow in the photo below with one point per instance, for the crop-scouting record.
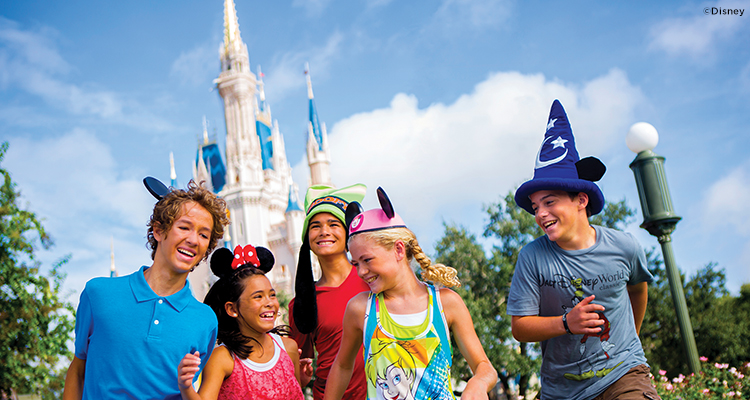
(245, 255)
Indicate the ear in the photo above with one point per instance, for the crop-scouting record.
(399, 247)
(159, 233)
(583, 200)
(231, 309)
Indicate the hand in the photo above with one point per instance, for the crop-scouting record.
(584, 318)
(474, 390)
(189, 365)
(305, 369)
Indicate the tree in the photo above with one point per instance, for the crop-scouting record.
(35, 324)
(485, 283)
(721, 322)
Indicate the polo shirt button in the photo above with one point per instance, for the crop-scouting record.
(161, 301)
(156, 322)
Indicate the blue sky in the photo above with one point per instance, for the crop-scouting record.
(443, 103)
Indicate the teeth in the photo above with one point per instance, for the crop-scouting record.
(185, 252)
(267, 315)
(370, 280)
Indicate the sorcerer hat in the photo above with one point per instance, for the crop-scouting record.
(558, 166)
(318, 199)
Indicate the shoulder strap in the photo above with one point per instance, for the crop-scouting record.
(438, 318)
(371, 321)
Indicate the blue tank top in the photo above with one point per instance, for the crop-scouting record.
(407, 362)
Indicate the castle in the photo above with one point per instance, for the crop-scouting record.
(256, 180)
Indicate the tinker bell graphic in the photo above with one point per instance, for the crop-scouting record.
(394, 369)
(603, 335)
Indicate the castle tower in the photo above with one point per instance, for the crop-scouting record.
(318, 156)
(257, 181)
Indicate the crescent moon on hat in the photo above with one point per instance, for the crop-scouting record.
(542, 164)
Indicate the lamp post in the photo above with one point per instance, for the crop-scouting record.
(660, 220)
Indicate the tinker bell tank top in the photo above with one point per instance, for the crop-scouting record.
(407, 362)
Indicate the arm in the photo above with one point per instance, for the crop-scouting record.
(218, 368)
(291, 349)
(351, 341)
(638, 299)
(305, 347)
(74, 380)
(462, 328)
(582, 319)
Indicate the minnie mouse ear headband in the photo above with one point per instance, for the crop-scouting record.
(318, 199)
(358, 221)
(155, 187)
(558, 166)
(224, 263)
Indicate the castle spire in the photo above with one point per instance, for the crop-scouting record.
(112, 269)
(318, 157)
(172, 173)
(205, 131)
(232, 39)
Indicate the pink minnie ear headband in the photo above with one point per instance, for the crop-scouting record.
(358, 220)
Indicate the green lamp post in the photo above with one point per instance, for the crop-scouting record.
(660, 220)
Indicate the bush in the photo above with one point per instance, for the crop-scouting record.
(715, 381)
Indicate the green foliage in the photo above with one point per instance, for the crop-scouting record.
(715, 381)
(35, 324)
(721, 323)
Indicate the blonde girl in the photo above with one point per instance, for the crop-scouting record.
(417, 315)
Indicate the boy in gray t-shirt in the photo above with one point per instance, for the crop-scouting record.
(580, 290)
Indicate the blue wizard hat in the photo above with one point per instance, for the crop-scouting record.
(558, 166)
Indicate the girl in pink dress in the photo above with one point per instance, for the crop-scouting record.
(252, 360)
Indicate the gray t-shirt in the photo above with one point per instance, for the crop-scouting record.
(549, 281)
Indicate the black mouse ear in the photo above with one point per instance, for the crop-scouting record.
(221, 262)
(385, 203)
(590, 169)
(155, 187)
(266, 259)
(352, 210)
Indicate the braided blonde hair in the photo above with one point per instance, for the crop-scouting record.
(436, 273)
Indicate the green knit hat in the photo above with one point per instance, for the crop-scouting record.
(317, 200)
(328, 199)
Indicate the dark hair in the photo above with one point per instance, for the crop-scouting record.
(168, 209)
(229, 288)
(574, 195)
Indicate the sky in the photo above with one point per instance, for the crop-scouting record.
(442, 103)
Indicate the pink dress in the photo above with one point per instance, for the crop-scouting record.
(273, 380)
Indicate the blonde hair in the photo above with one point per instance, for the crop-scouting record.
(435, 273)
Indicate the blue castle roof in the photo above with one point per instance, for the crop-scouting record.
(266, 144)
(316, 125)
(216, 168)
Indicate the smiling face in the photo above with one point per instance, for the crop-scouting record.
(186, 243)
(396, 385)
(327, 235)
(257, 307)
(562, 218)
(376, 265)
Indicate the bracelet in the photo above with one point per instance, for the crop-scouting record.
(565, 324)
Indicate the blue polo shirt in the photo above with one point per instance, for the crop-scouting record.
(132, 339)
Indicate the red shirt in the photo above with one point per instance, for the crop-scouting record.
(326, 338)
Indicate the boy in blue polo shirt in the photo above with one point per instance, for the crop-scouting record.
(580, 290)
(132, 331)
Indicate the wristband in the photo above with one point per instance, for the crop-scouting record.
(565, 324)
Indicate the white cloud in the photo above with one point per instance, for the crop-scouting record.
(695, 36)
(195, 67)
(724, 200)
(31, 62)
(459, 156)
(286, 72)
(72, 183)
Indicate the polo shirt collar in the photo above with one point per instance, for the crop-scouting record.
(143, 292)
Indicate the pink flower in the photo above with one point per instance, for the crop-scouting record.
(662, 372)
(730, 394)
(704, 359)
(669, 386)
(706, 391)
